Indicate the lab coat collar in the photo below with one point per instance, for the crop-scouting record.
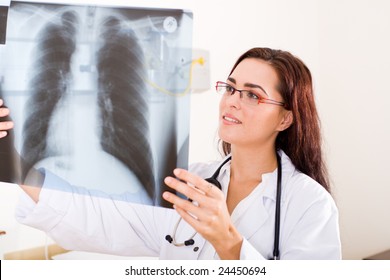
(255, 202)
(288, 170)
(268, 179)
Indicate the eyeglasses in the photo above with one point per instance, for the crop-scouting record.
(247, 96)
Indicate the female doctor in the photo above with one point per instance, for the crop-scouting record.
(274, 201)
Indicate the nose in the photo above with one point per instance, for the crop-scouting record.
(234, 100)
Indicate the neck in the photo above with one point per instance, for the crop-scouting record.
(250, 164)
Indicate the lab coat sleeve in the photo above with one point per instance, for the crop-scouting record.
(248, 252)
(78, 220)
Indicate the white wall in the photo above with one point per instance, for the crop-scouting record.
(355, 100)
(345, 44)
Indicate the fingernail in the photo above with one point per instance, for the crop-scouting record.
(166, 195)
(176, 172)
(168, 180)
(3, 134)
(4, 111)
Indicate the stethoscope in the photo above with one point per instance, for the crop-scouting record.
(213, 180)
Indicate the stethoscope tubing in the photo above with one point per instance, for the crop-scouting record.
(213, 180)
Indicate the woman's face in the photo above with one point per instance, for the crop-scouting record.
(251, 125)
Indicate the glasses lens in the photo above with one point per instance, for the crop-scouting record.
(220, 87)
(250, 98)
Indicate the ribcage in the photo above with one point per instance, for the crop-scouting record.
(51, 75)
(123, 102)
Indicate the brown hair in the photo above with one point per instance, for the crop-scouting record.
(302, 140)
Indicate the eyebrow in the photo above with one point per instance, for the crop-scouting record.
(248, 85)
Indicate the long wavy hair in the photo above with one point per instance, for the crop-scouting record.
(302, 140)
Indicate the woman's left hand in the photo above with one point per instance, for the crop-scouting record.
(207, 214)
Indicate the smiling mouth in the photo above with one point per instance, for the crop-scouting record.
(231, 120)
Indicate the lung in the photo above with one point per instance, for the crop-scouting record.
(49, 83)
(122, 100)
(121, 97)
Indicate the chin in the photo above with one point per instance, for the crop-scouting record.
(227, 137)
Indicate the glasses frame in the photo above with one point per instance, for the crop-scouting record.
(261, 99)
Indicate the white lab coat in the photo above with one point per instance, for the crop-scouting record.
(77, 220)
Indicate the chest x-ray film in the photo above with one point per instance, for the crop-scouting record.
(99, 96)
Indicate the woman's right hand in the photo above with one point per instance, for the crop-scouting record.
(4, 124)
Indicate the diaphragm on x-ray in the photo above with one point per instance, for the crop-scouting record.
(98, 95)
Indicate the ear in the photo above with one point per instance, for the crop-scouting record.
(287, 120)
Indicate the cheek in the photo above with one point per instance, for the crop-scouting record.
(222, 105)
(264, 122)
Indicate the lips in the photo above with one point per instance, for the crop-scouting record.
(231, 119)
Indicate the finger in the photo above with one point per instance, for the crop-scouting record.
(6, 125)
(193, 179)
(209, 188)
(4, 112)
(189, 191)
(1, 102)
(200, 210)
(181, 203)
(185, 205)
(205, 227)
(190, 219)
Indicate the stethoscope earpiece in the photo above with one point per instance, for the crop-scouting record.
(188, 242)
(172, 239)
(169, 238)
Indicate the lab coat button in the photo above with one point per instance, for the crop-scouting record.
(196, 249)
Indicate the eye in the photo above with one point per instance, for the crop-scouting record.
(230, 89)
(253, 96)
